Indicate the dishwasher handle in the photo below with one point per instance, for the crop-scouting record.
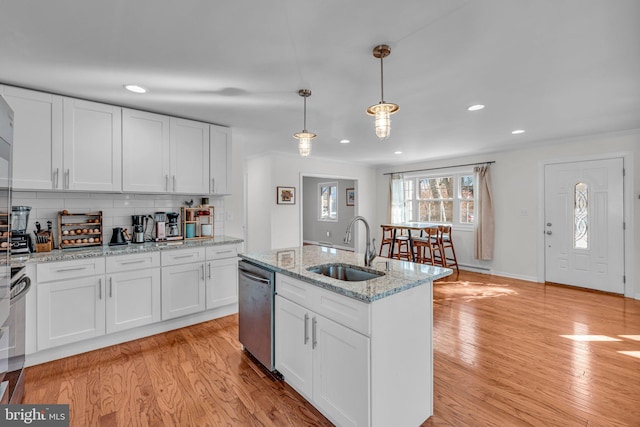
(254, 277)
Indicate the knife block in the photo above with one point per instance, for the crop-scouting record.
(45, 246)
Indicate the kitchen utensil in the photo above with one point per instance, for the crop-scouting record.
(118, 237)
(173, 230)
(138, 228)
(37, 227)
(160, 220)
(49, 225)
(190, 231)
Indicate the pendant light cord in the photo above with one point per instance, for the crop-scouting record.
(381, 81)
(305, 115)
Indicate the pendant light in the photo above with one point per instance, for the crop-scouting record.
(382, 110)
(304, 138)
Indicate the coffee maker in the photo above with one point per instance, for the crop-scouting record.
(159, 219)
(139, 228)
(173, 228)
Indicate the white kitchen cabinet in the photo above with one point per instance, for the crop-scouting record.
(222, 275)
(189, 142)
(133, 299)
(146, 163)
(37, 147)
(92, 148)
(70, 311)
(220, 161)
(183, 290)
(324, 361)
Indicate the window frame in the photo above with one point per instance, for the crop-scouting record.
(456, 198)
(330, 185)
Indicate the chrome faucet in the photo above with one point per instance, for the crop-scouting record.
(370, 250)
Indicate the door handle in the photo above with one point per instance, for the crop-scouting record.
(100, 288)
(110, 287)
(314, 322)
(209, 267)
(548, 224)
(166, 183)
(213, 185)
(174, 183)
(56, 174)
(67, 179)
(306, 327)
(202, 269)
(549, 233)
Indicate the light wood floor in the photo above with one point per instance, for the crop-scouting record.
(507, 353)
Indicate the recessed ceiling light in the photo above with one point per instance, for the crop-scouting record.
(517, 131)
(475, 107)
(397, 152)
(135, 88)
(344, 141)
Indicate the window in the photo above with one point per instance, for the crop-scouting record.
(448, 199)
(328, 203)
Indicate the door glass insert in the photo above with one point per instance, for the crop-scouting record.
(581, 216)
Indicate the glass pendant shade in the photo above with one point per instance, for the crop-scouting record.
(304, 142)
(382, 113)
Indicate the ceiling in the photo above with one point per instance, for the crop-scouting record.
(556, 68)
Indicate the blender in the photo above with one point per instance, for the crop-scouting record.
(173, 230)
(139, 228)
(20, 240)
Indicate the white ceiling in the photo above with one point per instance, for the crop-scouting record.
(557, 68)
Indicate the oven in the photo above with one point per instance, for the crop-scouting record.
(13, 341)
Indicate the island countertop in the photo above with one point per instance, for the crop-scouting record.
(294, 262)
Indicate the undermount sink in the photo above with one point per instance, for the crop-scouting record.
(347, 273)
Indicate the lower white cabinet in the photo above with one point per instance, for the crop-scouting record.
(222, 282)
(183, 290)
(70, 310)
(324, 361)
(133, 299)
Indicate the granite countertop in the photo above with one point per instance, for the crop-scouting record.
(132, 248)
(402, 275)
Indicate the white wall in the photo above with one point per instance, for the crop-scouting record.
(273, 226)
(516, 187)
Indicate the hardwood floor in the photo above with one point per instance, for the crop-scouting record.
(507, 353)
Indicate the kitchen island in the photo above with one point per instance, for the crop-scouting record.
(360, 351)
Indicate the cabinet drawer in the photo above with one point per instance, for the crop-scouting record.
(47, 272)
(222, 251)
(182, 256)
(116, 264)
(347, 311)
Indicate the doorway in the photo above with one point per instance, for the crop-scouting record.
(584, 224)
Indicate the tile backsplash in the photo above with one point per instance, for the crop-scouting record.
(117, 209)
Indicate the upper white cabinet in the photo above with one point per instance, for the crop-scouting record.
(37, 147)
(220, 160)
(92, 152)
(145, 152)
(189, 156)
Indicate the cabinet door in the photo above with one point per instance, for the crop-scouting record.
(92, 146)
(189, 157)
(70, 311)
(341, 360)
(133, 299)
(183, 290)
(145, 152)
(220, 161)
(222, 282)
(37, 139)
(293, 345)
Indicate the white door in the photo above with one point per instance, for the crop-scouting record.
(220, 159)
(189, 156)
(584, 234)
(222, 282)
(183, 289)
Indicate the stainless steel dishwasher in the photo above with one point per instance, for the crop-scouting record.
(256, 290)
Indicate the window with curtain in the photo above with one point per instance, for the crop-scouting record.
(442, 198)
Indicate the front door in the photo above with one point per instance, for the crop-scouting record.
(584, 237)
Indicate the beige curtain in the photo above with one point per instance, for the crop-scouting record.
(485, 225)
(396, 198)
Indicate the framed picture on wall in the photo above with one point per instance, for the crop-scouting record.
(286, 195)
(351, 197)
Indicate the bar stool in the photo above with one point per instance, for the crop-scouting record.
(387, 239)
(428, 249)
(404, 251)
(446, 242)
